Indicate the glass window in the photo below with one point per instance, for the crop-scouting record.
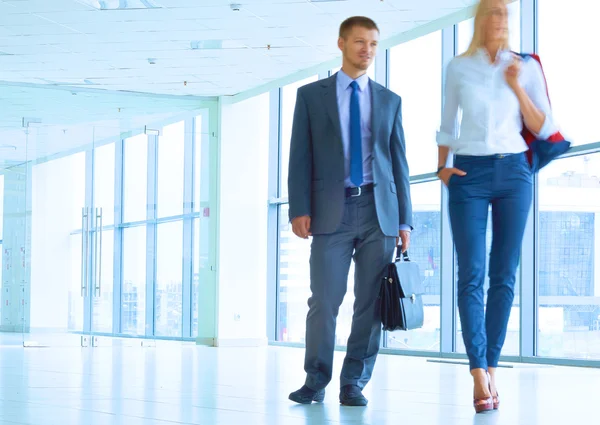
(102, 309)
(171, 144)
(201, 166)
(104, 182)
(288, 103)
(425, 251)
(465, 30)
(133, 301)
(569, 258)
(135, 179)
(1, 208)
(1, 226)
(169, 289)
(570, 67)
(421, 90)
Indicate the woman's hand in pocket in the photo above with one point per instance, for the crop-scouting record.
(445, 174)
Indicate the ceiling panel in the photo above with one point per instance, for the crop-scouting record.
(64, 42)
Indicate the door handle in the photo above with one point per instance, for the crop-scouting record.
(98, 287)
(84, 251)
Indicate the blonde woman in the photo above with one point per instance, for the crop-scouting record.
(496, 92)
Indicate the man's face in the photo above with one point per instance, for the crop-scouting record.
(359, 47)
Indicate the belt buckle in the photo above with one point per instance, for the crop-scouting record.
(359, 192)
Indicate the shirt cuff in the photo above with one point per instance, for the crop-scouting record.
(444, 139)
(548, 128)
(405, 227)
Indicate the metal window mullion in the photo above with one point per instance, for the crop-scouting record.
(151, 233)
(118, 238)
(272, 215)
(528, 265)
(448, 325)
(382, 63)
(188, 230)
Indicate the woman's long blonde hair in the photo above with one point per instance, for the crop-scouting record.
(478, 39)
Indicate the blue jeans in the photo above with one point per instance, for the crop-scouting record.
(505, 183)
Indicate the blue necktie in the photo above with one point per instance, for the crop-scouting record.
(356, 162)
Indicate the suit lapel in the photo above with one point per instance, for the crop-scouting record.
(330, 101)
(377, 108)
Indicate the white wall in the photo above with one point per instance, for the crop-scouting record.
(242, 267)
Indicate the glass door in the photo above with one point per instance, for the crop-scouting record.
(61, 244)
(14, 262)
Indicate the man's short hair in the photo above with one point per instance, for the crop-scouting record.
(356, 21)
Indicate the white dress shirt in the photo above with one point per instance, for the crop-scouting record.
(491, 120)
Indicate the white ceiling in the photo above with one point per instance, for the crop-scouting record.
(85, 73)
(65, 42)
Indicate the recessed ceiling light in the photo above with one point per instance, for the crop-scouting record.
(206, 44)
(121, 4)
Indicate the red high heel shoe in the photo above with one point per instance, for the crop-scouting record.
(482, 405)
(495, 398)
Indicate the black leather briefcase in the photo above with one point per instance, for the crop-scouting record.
(401, 295)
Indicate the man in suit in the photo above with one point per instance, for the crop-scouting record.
(348, 189)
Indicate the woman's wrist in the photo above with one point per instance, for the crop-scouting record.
(440, 168)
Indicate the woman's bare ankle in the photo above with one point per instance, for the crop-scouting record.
(492, 372)
(481, 388)
(479, 373)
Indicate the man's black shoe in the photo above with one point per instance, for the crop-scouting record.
(306, 396)
(351, 395)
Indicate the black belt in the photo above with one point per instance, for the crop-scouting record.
(352, 192)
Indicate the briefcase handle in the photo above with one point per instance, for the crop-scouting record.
(401, 255)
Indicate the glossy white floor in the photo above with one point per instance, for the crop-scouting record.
(176, 383)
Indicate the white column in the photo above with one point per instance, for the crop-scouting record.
(16, 250)
(243, 212)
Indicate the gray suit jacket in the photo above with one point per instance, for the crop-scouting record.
(316, 167)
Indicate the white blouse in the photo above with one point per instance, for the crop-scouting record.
(491, 117)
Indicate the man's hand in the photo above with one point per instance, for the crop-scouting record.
(404, 236)
(301, 226)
